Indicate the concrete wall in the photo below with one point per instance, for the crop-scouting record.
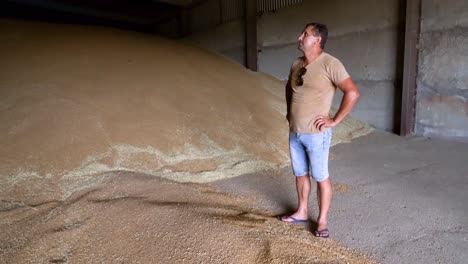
(368, 37)
(169, 28)
(369, 41)
(209, 30)
(442, 83)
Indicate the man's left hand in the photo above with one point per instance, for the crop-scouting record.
(322, 122)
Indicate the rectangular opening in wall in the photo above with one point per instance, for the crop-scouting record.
(235, 9)
(264, 6)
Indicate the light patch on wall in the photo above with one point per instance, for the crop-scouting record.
(442, 116)
(443, 63)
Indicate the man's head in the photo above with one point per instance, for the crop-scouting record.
(315, 35)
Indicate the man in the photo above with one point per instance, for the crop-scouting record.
(309, 93)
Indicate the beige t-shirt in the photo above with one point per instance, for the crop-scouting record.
(315, 96)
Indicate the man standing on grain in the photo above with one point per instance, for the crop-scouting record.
(309, 93)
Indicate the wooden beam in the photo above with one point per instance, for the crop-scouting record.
(251, 34)
(408, 105)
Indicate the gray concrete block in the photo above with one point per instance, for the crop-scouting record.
(376, 105)
(224, 37)
(437, 14)
(277, 61)
(205, 16)
(442, 117)
(371, 55)
(236, 55)
(442, 83)
(443, 61)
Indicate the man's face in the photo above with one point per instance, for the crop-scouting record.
(307, 40)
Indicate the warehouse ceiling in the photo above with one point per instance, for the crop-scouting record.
(141, 15)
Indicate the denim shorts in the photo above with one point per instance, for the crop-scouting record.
(309, 154)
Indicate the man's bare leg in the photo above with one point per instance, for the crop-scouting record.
(303, 192)
(324, 197)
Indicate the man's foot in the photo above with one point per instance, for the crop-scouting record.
(322, 230)
(290, 219)
(323, 233)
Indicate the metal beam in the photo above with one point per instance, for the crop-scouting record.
(251, 34)
(408, 105)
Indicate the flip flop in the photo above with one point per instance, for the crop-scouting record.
(324, 233)
(294, 220)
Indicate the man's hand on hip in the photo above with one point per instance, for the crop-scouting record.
(322, 122)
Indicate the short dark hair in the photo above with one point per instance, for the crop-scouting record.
(320, 29)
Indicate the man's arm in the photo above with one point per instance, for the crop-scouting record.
(289, 90)
(288, 93)
(351, 96)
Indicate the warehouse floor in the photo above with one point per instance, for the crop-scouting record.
(402, 200)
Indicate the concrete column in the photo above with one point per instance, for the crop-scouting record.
(251, 34)
(413, 17)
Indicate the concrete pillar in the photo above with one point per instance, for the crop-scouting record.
(251, 34)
